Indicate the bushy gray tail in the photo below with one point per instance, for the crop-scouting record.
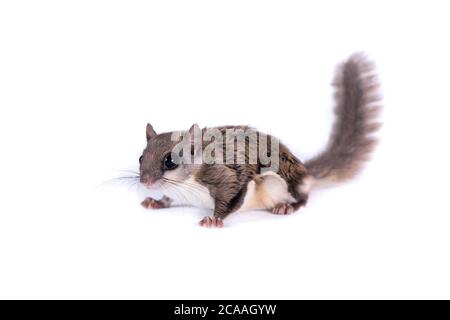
(357, 106)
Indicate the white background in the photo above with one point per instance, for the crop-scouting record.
(80, 79)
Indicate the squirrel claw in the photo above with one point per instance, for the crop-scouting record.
(283, 209)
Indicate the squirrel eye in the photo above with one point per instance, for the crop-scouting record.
(168, 162)
(140, 159)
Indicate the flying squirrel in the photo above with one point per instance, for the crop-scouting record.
(226, 185)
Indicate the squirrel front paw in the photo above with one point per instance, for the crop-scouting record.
(213, 222)
(150, 203)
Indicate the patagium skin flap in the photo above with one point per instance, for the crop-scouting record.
(227, 185)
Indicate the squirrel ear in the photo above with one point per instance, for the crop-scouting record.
(150, 132)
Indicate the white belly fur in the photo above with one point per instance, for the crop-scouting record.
(265, 192)
(190, 192)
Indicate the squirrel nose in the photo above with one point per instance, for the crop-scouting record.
(145, 179)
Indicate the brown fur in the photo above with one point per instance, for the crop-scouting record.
(227, 183)
(357, 105)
